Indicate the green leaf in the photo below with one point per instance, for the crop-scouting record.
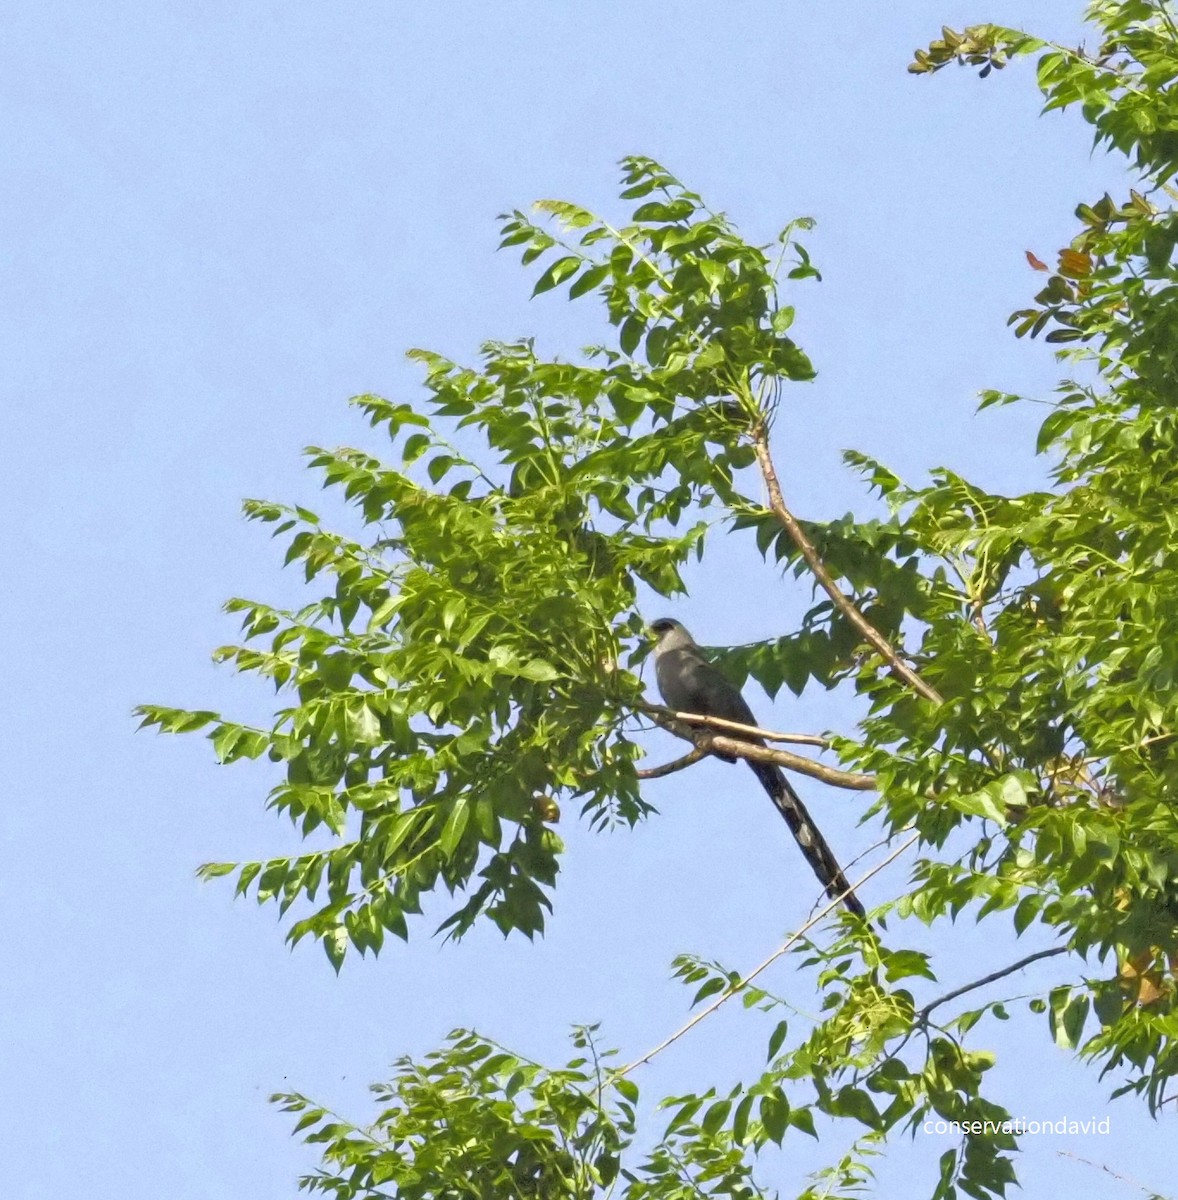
(215, 870)
(948, 1167)
(716, 1116)
(415, 446)
(381, 614)
(539, 670)
(715, 274)
(775, 1113)
(1027, 910)
(776, 1039)
(656, 344)
(455, 826)
(557, 273)
(335, 946)
(710, 988)
(901, 964)
(990, 802)
(740, 1122)
(439, 466)
(588, 280)
(363, 725)
(249, 872)
(783, 318)
(803, 1119)
(1068, 1013)
(854, 1102)
(631, 334)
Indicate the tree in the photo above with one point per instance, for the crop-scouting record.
(469, 669)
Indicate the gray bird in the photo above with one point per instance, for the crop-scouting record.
(689, 683)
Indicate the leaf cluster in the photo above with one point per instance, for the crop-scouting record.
(463, 671)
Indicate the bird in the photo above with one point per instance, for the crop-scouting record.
(689, 683)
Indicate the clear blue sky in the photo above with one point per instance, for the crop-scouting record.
(221, 220)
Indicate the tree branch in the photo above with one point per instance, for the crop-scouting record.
(736, 748)
(923, 1014)
(851, 780)
(1150, 1192)
(678, 764)
(742, 983)
(841, 601)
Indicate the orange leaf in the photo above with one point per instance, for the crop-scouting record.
(1074, 263)
(1037, 263)
(1141, 980)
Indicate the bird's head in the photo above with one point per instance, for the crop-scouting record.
(669, 633)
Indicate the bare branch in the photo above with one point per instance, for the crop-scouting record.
(923, 1014)
(678, 764)
(742, 983)
(851, 780)
(841, 601)
(883, 841)
(1153, 1195)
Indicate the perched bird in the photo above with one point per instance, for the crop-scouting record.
(689, 683)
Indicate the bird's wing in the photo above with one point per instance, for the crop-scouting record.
(689, 683)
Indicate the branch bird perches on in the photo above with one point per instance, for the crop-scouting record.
(729, 738)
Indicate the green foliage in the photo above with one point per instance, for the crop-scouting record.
(468, 666)
(465, 663)
(475, 1120)
(1122, 88)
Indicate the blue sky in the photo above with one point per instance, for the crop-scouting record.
(220, 222)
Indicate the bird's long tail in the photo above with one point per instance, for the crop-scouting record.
(813, 845)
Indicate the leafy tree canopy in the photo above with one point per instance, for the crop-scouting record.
(468, 669)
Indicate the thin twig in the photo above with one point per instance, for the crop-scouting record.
(841, 601)
(1159, 737)
(1150, 1192)
(741, 984)
(922, 1014)
(883, 841)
